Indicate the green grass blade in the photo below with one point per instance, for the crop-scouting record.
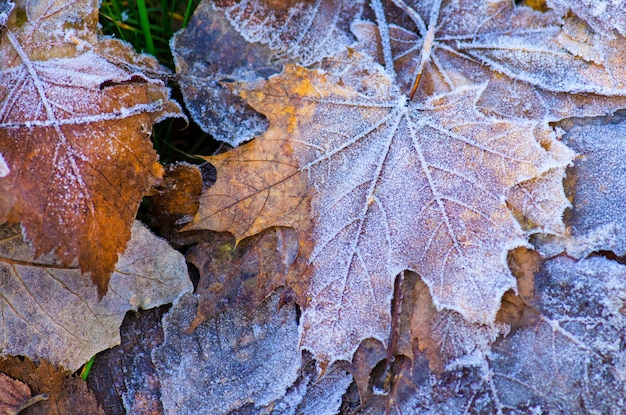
(145, 26)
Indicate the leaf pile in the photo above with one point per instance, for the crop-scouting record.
(436, 141)
(423, 211)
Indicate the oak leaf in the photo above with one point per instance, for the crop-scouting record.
(378, 185)
(75, 121)
(50, 312)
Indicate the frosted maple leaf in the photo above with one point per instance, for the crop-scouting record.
(377, 184)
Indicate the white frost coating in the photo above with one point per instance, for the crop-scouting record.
(222, 366)
(417, 186)
(598, 218)
(306, 32)
(605, 16)
(4, 167)
(578, 337)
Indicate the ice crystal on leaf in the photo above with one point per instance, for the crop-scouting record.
(75, 121)
(379, 184)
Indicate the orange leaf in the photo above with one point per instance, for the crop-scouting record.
(74, 131)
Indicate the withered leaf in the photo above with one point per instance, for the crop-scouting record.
(228, 361)
(378, 184)
(603, 16)
(75, 122)
(538, 65)
(241, 277)
(301, 31)
(597, 221)
(50, 312)
(572, 360)
(124, 378)
(210, 51)
(66, 393)
(15, 396)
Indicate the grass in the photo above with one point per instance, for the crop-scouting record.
(149, 25)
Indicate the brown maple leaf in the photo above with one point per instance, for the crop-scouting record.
(376, 184)
(75, 121)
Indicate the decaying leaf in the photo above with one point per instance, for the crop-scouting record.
(75, 121)
(66, 393)
(50, 312)
(393, 185)
(573, 359)
(604, 16)
(598, 220)
(228, 361)
(174, 202)
(15, 396)
(124, 378)
(301, 31)
(209, 51)
(241, 277)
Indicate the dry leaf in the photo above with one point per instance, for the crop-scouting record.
(241, 277)
(598, 219)
(50, 312)
(537, 66)
(67, 393)
(228, 361)
(209, 51)
(604, 16)
(75, 122)
(393, 185)
(573, 359)
(300, 31)
(174, 202)
(15, 396)
(124, 378)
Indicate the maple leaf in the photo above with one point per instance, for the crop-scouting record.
(50, 312)
(393, 185)
(75, 121)
(538, 65)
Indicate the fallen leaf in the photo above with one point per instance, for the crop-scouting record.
(537, 66)
(75, 122)
(393, 185)
(174, 202)
(50, 312)
(445, 337)
(228, 361)
(572, 360)
(15, 396)
(597, 221)
(311, 394)
(66, 393)
(241, 277)
(208, 52)
(300, 31)
(604, 16)
(124, 378)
